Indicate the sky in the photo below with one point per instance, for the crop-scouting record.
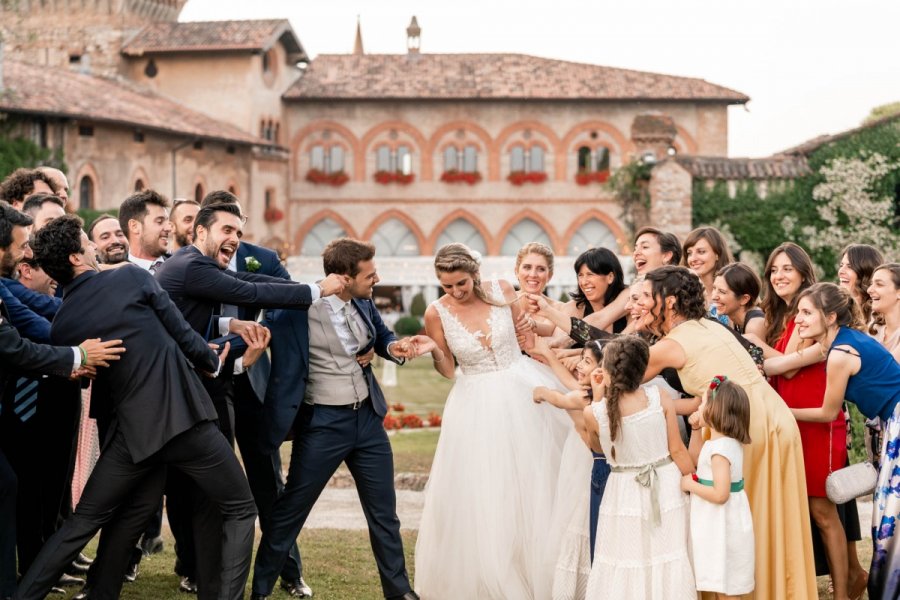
(810, 67)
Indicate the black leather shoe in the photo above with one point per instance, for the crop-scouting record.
(132, 571)
(187, 585)
(77, 569)
(69, 581)
(84, 594)
(296, 588)
(410, 595)
(81, 559)
(258, 597)
(152, 545)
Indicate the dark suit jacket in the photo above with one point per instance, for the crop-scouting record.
(290, 364)
(29, 324)
(270, 265)
(156, 392)
(17, 353)
(42, 304)
(198, 286)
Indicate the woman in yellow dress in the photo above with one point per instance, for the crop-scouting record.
(673, 307)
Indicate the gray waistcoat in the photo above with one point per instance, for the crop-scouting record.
(334, 376)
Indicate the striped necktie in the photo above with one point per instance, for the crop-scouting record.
(25, 400)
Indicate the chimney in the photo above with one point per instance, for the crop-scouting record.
(653, 134)
(413, 35)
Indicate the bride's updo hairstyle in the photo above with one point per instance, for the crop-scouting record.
(830, 298)
(625, 361)
(454, 257)
(681, 283)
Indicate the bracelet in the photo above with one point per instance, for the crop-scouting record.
(84, 357)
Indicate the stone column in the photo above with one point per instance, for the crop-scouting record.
(670, 198)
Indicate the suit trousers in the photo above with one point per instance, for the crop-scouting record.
(23, 445)
(59, 410)
(205, 456)
(325, 437)
(263, 470)
(8, 489)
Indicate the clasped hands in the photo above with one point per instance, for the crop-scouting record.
(413, 346)
(254, 335)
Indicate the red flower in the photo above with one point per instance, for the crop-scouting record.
(273, 215)
(454, 176)
(521, 177)
(398, 407)
(386, 177)
(411, 421)
(317, 177)
(586, 177)
(434, 420)
(391, 422)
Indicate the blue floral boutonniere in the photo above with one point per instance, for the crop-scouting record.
(252, 264)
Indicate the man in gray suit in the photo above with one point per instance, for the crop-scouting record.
(323, 386)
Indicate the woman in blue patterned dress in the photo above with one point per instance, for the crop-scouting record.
(864, 372)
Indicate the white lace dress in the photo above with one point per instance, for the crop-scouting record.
(493, 482)
(634, 557)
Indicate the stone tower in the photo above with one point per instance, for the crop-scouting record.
(84, 35)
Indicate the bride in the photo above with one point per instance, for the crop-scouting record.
(489, 497)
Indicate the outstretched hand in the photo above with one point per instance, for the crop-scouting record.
(536, 303)
(98, 354)
(257, 339)
(413, 346)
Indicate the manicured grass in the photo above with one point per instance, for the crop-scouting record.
(338, 565)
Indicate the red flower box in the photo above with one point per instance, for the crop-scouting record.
(521, 177)
(434, 420)
(398, 407)
(273, 215)
(386, 177)
(454, 176)
(587, 177)
(411, 421)
(319, 177)
(391, 422)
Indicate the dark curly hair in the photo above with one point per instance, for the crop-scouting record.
(20, 183)
(863, 259)
(625, 361)
(9, 218)
(53, 244)
(684, 286)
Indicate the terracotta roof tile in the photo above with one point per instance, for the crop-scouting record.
(490, 76)
(774, 167)
(49, 91)
(809, 146)
(207, 36)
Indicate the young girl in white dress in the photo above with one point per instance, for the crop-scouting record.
(642, 534)
(721, 525)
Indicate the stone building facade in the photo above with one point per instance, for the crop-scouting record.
(410, 151)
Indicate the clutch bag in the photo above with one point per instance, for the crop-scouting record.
(851, 482)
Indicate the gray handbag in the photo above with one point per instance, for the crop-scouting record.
(851, 482)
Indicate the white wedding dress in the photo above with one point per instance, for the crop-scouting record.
(489, 499)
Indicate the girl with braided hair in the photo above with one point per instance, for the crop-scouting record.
(485, 526)
(673, 306)
(642, 533)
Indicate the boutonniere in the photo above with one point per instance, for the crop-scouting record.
(252, 264)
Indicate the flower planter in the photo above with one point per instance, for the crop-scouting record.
(521, 177)
(318, 177)
(388, 177)
(588, 177)
(461, 177)
(273, 215)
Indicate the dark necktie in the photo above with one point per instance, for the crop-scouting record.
(25, 400)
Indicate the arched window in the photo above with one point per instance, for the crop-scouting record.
(383, 159)
(602, 154)
(404, 160)
(199, 193)
(584, 159)
(393, 238)
(317, 158)
(517, 159)
(318, 237)
(592, 234)
(337, 160)
(463, 232)
(470, 159)
(524, 232)
(450, 159)
(86, 192)
(536, 160)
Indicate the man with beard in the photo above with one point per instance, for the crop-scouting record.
(199, 283)
(17, 353)
(183, 213)
(144, 217)
(22, 183)
(112, 245)
(167, 423)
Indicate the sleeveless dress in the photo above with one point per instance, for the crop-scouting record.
(875, 390)
(486, 520)
(636, 556)
(774, 476)
(722, 534)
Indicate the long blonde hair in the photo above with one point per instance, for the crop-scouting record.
(458, 257)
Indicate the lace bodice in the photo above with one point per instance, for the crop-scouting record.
(474, 351)
(642, 438)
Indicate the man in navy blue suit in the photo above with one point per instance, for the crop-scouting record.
(336, 408)
(263, 467)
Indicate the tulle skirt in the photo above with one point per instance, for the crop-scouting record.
(489, 499)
